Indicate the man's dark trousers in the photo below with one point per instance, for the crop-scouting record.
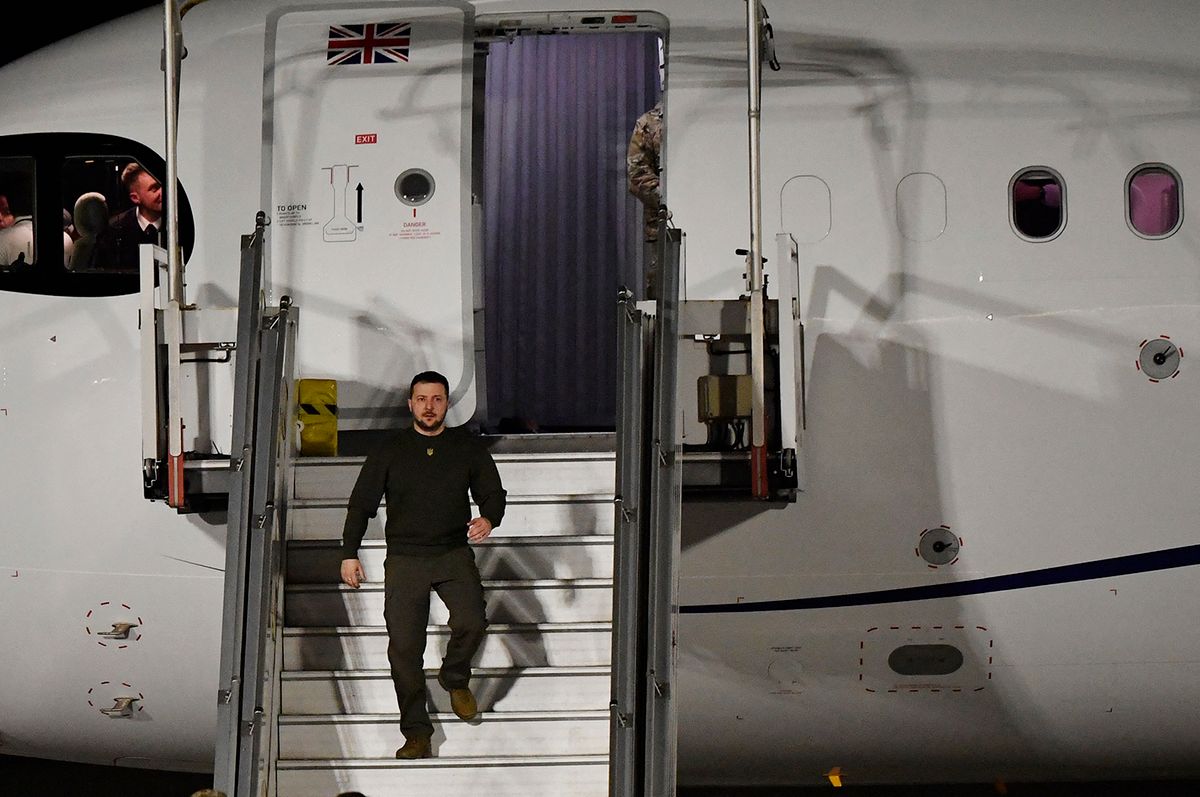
(407, 583)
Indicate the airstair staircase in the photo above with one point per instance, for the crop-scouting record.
(574, 679)
(542, 676)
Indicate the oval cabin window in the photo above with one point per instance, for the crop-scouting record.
(75, 208)
(1153, 200)
(1038, 204)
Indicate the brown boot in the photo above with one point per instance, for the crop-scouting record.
(416, 747)
(463, 703)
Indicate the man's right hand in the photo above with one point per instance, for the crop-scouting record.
(352, 573)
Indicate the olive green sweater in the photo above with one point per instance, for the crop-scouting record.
(426, 480)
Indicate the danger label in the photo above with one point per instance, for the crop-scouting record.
(414, 230)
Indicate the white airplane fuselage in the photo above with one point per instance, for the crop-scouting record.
(957, 374)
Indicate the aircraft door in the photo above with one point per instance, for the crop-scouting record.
(367, 184)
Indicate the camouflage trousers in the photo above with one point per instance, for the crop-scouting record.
(650, 268)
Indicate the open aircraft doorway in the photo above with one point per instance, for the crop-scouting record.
(556, 103)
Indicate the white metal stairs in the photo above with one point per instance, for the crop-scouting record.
(542, 676)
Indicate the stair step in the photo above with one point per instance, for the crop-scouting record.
(491, 734)
(504, 645)
(516, 601)
(521, 474)
(542, 675)
(562, 556)
(494, 776)
(495, 688)
(559, 513)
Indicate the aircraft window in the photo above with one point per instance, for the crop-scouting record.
(16, 213)
(1153, 199)
(1038, 204)
(85, 222)
(114, 204)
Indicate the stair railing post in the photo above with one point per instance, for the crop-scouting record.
(264, 563)
(229, 689)
(664, 545)
(627, 720)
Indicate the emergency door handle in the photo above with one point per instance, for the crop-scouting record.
(122, 707)
(119, 631)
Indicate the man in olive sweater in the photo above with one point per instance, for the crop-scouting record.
(425, 473)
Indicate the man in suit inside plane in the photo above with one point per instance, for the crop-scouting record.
(426, 472)
(142, 223)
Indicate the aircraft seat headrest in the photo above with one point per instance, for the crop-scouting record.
(91, 214)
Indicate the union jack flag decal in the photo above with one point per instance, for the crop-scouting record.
(369, 43)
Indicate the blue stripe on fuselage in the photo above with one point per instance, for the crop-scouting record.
(1084, 571)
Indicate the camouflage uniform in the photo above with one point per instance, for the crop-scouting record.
(643, 167)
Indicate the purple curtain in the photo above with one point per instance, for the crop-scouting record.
(561, 231)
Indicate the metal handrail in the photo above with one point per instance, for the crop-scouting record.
(262, 394)
(754, 261)
(172, 62)
(666, 495)
(646, 559)
(627, 723)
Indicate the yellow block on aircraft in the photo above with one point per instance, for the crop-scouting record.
(317, 412)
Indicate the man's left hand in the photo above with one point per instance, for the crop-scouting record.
(478, 529)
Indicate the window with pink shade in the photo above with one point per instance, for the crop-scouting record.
(1154, 200)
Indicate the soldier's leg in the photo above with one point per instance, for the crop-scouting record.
(406, 613)
(650, 261)
(459, 586)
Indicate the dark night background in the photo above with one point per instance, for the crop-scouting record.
(43, 23)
